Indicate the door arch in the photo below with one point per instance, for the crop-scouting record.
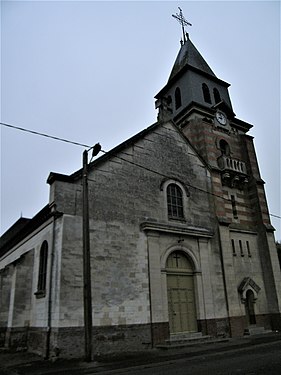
(180, 291)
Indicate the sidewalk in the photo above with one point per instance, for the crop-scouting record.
(24, 363)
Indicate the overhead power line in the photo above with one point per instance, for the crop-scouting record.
(119, 157)
(43, 135)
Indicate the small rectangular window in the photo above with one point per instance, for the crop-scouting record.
(234, 209)
(233, 247)
(241, 248)
(248, 249)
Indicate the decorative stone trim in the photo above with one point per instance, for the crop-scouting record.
(248, 284)
(174, 229)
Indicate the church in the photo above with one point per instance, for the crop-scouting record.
(180, 239)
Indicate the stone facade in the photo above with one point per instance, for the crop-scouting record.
(179, 233)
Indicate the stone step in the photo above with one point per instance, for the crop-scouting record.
(185, 336)
(187, 339)
(255, 330)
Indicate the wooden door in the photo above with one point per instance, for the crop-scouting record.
(181, 303)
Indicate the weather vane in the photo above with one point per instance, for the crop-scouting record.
(182, 21)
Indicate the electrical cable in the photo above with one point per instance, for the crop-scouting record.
(43, 135)
(123, 159)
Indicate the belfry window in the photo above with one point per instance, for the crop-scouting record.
(206, 93)
(42, 274)
(217, 96)
(178, 98)
(175, 202)
(224, 147)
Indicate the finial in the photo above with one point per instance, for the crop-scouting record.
(183, 22)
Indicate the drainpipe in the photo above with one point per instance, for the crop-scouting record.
(224, 282)
(149, 291)
(49, 318)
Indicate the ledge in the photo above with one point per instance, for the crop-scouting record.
(176, 229)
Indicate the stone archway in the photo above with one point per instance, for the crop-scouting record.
(180, 291)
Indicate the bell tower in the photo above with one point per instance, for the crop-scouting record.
(198, 102)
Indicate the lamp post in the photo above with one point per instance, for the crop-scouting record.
(87, 285)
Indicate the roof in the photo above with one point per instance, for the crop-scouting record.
(13, 230)
(189, 58)
(189, 55)
(23, 227)
(78, 174)
(113, 152)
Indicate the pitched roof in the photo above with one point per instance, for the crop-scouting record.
(189, 55)
(112, 153)
(23, 227)
(189, 58)
(78, 174)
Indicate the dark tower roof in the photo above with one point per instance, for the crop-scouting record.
(189, 59)
(189, 55)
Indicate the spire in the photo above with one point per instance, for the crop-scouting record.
(189, 56)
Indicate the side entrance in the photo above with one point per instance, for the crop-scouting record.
(181, 299)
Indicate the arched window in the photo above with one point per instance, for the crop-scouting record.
(42, 274)
(178, 260)
(175, 202)
(206, 93)
(224, 147)
(217, 96)
(178, 97)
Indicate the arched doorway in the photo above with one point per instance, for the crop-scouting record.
(249, 306)
(180, 288)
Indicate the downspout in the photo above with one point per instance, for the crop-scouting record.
(224, 282)
(49, 318)
(149, 291)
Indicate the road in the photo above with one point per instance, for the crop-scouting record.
(255, 360)
(259, 358)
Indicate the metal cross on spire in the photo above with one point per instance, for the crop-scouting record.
(182, 21)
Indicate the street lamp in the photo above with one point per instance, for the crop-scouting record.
(87, 286)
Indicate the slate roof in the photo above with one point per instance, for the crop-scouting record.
(23, 227)
(189, 58)
(189, 55)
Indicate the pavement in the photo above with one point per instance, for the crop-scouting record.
(24, 363)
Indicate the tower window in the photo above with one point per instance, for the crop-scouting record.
(234, 208)
(217, 96)
(178, 97)
(175, 202)
(206, 93)
(224, 147)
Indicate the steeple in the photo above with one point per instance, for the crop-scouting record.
(191, 83)
(189, 56)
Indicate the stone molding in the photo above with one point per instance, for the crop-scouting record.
(248, 284)
(176, 229)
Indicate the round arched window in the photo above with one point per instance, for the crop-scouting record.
(224, 147)
(175, 202)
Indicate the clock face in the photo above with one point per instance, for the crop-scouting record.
(221, 118)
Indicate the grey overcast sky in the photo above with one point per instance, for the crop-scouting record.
(88, 71)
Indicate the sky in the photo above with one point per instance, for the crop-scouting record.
(88, 71)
